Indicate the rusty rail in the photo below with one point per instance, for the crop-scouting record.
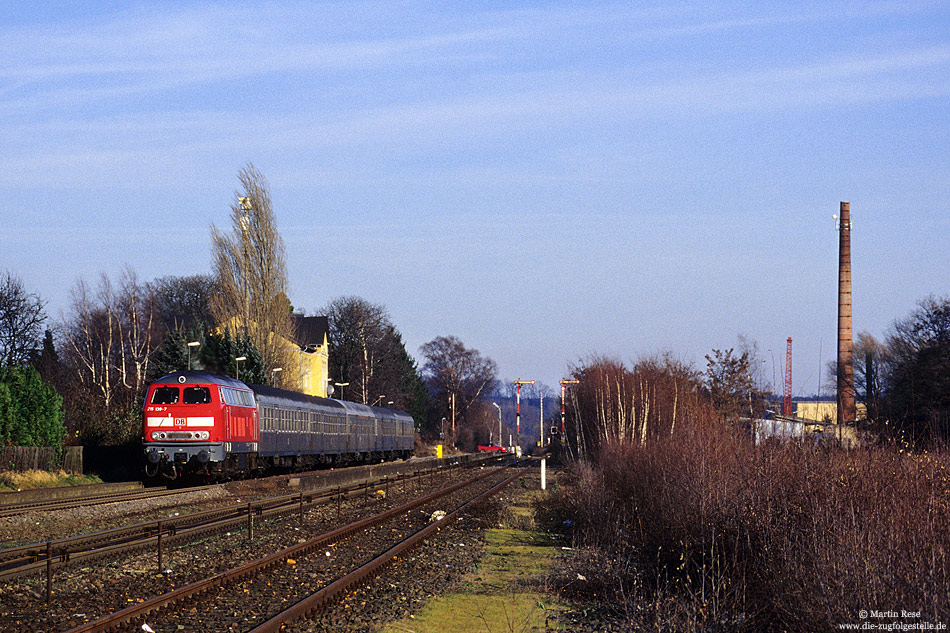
(14, 509)
(195, 589)
(323, 597)
(23, 560)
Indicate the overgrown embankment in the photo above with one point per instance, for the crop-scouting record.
(709, 532)
(12, 481)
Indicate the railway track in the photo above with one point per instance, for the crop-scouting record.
(265, 593)
(51, 555)
(50, 505)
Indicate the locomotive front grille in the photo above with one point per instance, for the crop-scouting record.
(180, 435)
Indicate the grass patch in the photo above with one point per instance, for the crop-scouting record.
(461, 613)
(503, 593)
(513, 559)
(14, 481)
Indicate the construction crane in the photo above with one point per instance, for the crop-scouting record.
(787, 403)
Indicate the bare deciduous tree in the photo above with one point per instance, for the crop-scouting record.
(872, 360)
(252, 275)
(183, 302)
(21, 321)
(110, 336)
(451, 368)
(358, 333)
(368, 353)
(918, 380)
(616, 404)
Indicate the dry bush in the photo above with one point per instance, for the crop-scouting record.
(26, 480)
(775, 537)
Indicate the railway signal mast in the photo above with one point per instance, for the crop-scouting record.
(518, 384)
(564, 384)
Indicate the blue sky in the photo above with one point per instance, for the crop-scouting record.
(544, 180)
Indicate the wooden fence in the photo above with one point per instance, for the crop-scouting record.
(22, 458)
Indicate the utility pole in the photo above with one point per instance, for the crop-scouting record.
(518, 384)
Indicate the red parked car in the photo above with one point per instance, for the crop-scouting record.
(492, 448)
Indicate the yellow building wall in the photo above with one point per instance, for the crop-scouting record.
(314, 371)
(313, 367)
(826, 410)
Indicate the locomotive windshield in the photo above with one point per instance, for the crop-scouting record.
(197, 395)
(165, 395)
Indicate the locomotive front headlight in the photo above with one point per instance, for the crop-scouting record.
(154, 435)
(203, 435)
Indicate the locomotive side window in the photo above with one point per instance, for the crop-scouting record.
(197, 395)
(236, 397)
(165, 395)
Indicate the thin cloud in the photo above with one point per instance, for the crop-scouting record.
(156, 53)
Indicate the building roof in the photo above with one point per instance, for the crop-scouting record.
(310, 332)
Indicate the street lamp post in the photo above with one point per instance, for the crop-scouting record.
(378, 400)
(500, 440)
(542, 422)
(274, 373)
(453, 418)
(190, 345)
(246, 206)
(237, 366)
(773, 371)
(341, 385)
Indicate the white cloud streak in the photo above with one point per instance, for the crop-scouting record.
(52, 76)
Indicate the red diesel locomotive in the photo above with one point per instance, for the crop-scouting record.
(199, 423)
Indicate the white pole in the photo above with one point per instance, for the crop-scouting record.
(501, 438)
(543, 474)
(542, 422)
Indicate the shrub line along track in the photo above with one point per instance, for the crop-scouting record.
(27, 559)
(194, 590)
(14, 509)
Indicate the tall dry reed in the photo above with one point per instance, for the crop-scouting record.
(775, 537)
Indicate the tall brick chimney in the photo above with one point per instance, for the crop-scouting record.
(846, 408)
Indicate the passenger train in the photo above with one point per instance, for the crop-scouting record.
(199, 423)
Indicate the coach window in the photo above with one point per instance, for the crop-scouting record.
(197, 395)
(165, 395)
